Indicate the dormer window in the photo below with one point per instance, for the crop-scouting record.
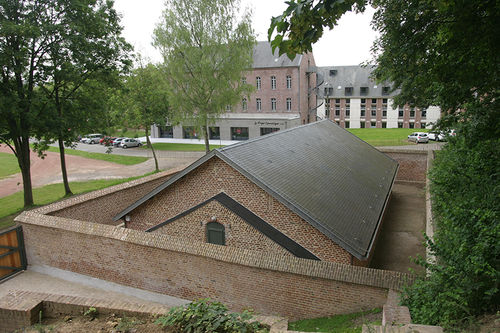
(348, 91)
(363, 91)
(386, 90)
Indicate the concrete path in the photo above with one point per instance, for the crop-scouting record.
(59, 282)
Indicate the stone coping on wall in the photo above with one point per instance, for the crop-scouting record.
(403, 151)
(288, 264)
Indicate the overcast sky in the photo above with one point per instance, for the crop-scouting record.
(349, 44)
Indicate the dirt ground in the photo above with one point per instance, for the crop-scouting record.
(101, 324)
(401, 237)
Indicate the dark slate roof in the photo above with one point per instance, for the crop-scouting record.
(351, 76)
(252, 219)
(329, 177)
(264, 58)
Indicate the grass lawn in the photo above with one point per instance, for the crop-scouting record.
(13, 204)
(120, 159)
(349, 323)
(180, 146)
(385, 136)
(8, 165)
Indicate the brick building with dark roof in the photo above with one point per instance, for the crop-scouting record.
(315, 191)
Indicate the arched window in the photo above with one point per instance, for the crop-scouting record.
(215, 233)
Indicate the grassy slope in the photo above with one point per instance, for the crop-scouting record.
(180, 146)
(8, 165)
(120, 159)
(385, 136)
(337, 324)
(12, 204)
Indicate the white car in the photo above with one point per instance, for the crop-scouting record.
(436, 136)
(418, 137)
(127, 143)
(92, 138)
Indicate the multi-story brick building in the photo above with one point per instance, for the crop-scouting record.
(350, 97)
(306, 192)
(284, 97)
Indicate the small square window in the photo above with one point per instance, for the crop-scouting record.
(363, 91)
(348, 91)
(373, 124)
(400, 125)
(412, 125)
(386, 90)
(362, 124)
(374, 101)
(384, 125)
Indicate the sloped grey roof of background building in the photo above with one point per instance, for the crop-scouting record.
(352, 76)
(264, 58)
(329, 177)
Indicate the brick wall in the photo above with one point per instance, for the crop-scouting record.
(412, 164)
(269, 283)
(216, 176)
(238, 233)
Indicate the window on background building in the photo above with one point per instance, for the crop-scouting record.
(362, 124)
(384, 125)
(257, 82)
(412, 113)
(259, 104)
(347, 124)
(386, 90)
(412, 125)
(215, 233)
(363, 91)
(239, 133)
(189, 132)
(288, 104)
(400, 125)
(384, 101)
(374, 112)
(422, 125)
(166, 132)
(214, 133)
(348, 91)
(337, 100)
(268, 130)
(347, 107)
(337, 112)
(424, 113)
(273, 104)
(401, 113)
(363, 107)
(273, 82)
(288, 82)
(244, 80)
(244, 104)
(384, 113)
(373, 124)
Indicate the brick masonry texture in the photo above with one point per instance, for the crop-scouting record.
(216, 176)
(412, 164)
(238, 233)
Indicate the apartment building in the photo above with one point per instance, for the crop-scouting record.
(350, 97)
(284, 97)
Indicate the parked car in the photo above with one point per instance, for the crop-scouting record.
(92, 138)
(418, 137)
(436, 136)
(107, 140)
(117, 141)
(127, 143)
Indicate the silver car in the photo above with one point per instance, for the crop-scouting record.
(127, 143)
(418, 137)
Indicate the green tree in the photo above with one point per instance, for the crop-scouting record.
(146, 100)
(442, 53)
(51, 47)
(205, 50)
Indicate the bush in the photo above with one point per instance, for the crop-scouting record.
(464, 282)
(206, 316)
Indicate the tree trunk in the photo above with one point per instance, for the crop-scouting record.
(23, 159)
(62, 156)
(205, 136)
(148, 143)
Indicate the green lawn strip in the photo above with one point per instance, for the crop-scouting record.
(119, 159)
(12, 204)
(8, 165)
(180, 146)
(338, 323)
(385, 136)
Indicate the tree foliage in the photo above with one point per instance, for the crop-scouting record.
(205, 50)
(48, 50)
(145, 97)
(442, 53)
